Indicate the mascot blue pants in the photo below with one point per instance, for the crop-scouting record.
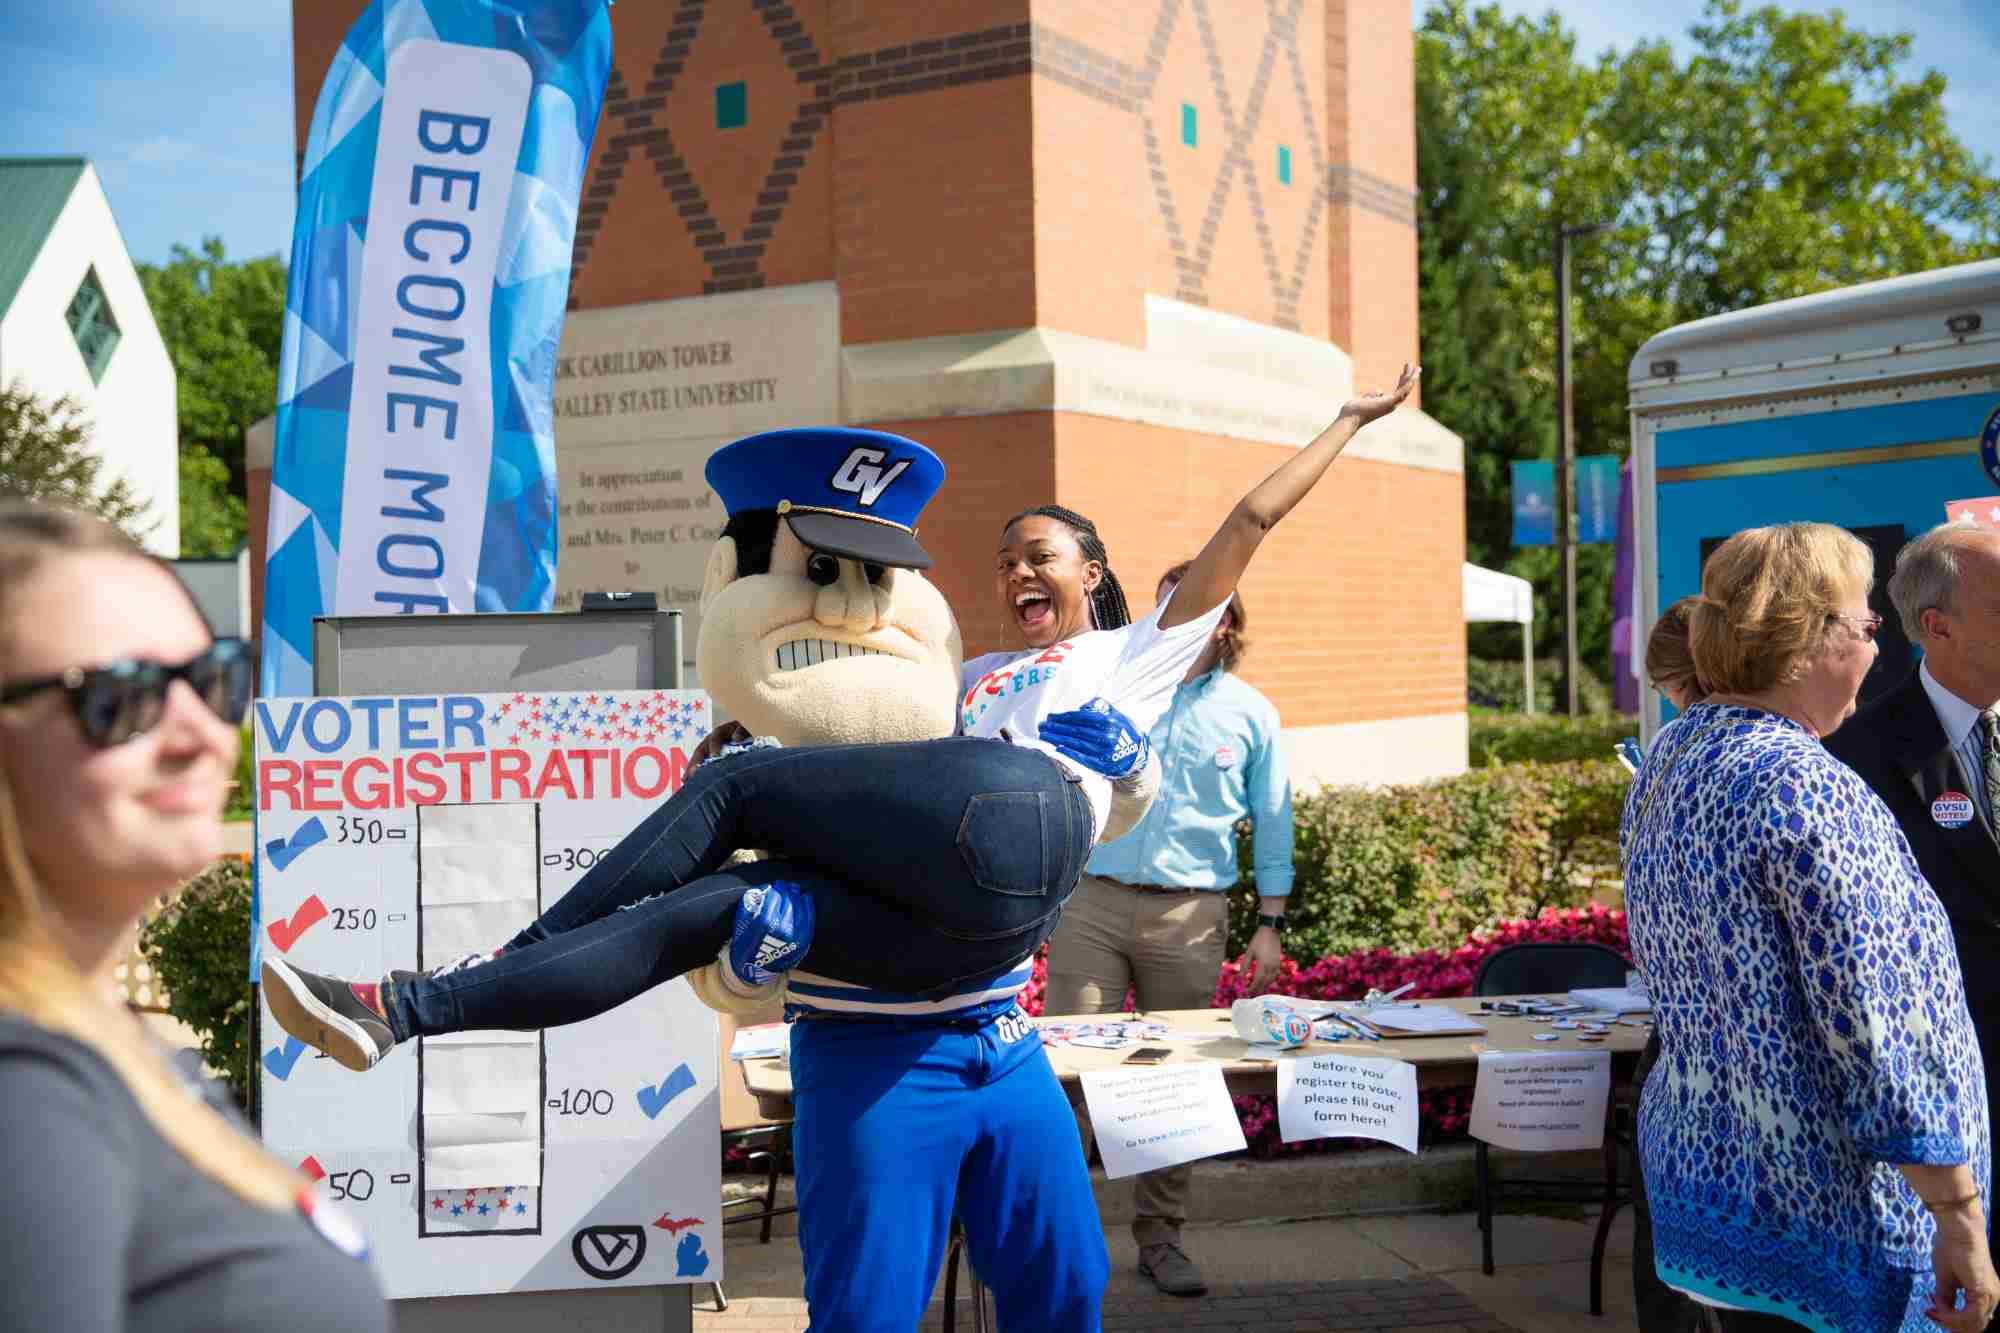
(900, 1122)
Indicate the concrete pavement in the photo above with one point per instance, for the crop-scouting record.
(1389, 1272)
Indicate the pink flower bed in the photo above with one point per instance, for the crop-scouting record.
(1444, 1111)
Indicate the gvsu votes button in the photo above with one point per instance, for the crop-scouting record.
(1952, 809)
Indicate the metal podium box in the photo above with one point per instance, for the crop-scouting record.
(557, 650)
(492, 653)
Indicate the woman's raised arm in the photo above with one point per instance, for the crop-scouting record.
(1213, 574)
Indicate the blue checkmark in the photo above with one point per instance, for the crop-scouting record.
(283, 851)
(654, 1100)
(280, 1059)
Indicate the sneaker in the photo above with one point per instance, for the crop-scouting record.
(1171, 1270)
(774, 927)
(460, 964)
(342, 1018)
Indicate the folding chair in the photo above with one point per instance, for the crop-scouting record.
(1544, 969)
(743, 1124)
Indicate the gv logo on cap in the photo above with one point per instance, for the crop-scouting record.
(862, 475)
(608, 1253)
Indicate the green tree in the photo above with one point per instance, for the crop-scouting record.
(214, 519)
(223, 321)
(1785, 154)
(45, 454)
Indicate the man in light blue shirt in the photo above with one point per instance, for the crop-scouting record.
(1151, 913)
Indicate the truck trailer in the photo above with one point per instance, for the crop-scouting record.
(1866, 407)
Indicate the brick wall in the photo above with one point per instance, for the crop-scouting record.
(1364, 573)
(975, 165)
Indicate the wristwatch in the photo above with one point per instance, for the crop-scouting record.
(1276, 923)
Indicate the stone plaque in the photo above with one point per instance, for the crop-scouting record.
(644, 394)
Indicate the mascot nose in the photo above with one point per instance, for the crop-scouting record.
(850, 602)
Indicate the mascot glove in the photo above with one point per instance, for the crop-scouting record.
(1099, 737)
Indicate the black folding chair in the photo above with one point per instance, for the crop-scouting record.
(1552, 969)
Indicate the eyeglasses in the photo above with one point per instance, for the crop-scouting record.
(1868, 624)
(126, 699)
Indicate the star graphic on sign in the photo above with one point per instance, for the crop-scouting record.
(456, 1210)
(520, 1208)
(508, 1190)
(483, 1210)
(437, 1203)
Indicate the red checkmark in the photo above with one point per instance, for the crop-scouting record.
(285, 934)
(312, 1168)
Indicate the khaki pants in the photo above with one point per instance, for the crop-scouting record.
(1168, 947)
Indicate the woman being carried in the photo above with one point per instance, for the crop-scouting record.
(931, 867)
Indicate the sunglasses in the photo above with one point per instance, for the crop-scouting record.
(126, 699)
(1865, 626)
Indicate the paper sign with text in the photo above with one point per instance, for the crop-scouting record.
(1542, 1103)
(1347, 1096)
(1145, 1119)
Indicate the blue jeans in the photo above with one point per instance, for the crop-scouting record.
(930, 863)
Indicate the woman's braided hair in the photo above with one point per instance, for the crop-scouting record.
(1107, 599)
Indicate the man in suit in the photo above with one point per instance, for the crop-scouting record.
(1929, 748)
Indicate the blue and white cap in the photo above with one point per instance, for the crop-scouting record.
(853, 493)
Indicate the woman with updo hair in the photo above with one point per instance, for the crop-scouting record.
(1814, 1137)
(129, 1203)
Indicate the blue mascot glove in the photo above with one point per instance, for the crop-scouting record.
(773, 930)
(1099, 737)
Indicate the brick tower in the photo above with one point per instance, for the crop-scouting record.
(1123, 256)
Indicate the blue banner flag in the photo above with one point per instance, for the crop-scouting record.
(415, 455)
(1534, 503)
(1597, 498)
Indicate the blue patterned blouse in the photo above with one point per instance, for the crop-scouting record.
(1812, 1024)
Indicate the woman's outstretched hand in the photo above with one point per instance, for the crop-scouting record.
(1369, 406)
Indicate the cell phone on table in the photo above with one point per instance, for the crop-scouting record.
(1148, 1055)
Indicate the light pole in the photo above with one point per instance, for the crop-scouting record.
(1566, 450)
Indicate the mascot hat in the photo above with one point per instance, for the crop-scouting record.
(853, 493)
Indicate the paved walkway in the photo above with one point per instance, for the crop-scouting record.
(1409, 1272)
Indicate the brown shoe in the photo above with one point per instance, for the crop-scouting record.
(1171, 1270)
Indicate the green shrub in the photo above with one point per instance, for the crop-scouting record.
(1495, 682)
(243, 799)
(1512, 738)
(1423, 866)
(199, 946)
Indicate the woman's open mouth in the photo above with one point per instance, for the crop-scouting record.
(1034, 610)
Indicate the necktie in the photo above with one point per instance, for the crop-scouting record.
(1989, 736)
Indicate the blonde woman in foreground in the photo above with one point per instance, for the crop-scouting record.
(126, 1202)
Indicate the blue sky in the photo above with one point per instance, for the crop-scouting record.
(186, 106)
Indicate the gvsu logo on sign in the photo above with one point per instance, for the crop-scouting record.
(861, 474)
(608, 1253)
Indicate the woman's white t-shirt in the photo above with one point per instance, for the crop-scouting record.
(1007, 696)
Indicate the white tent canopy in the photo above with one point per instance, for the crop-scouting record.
(1491, 595)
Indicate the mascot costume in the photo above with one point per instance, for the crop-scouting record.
(908, 1106)
(915, 864)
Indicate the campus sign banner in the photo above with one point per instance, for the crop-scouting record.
(415, 453)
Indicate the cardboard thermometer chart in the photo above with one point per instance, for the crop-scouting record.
(405, 832)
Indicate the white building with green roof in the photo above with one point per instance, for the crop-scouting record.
(74, 320)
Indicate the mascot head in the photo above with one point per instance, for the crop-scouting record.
(817, 627)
